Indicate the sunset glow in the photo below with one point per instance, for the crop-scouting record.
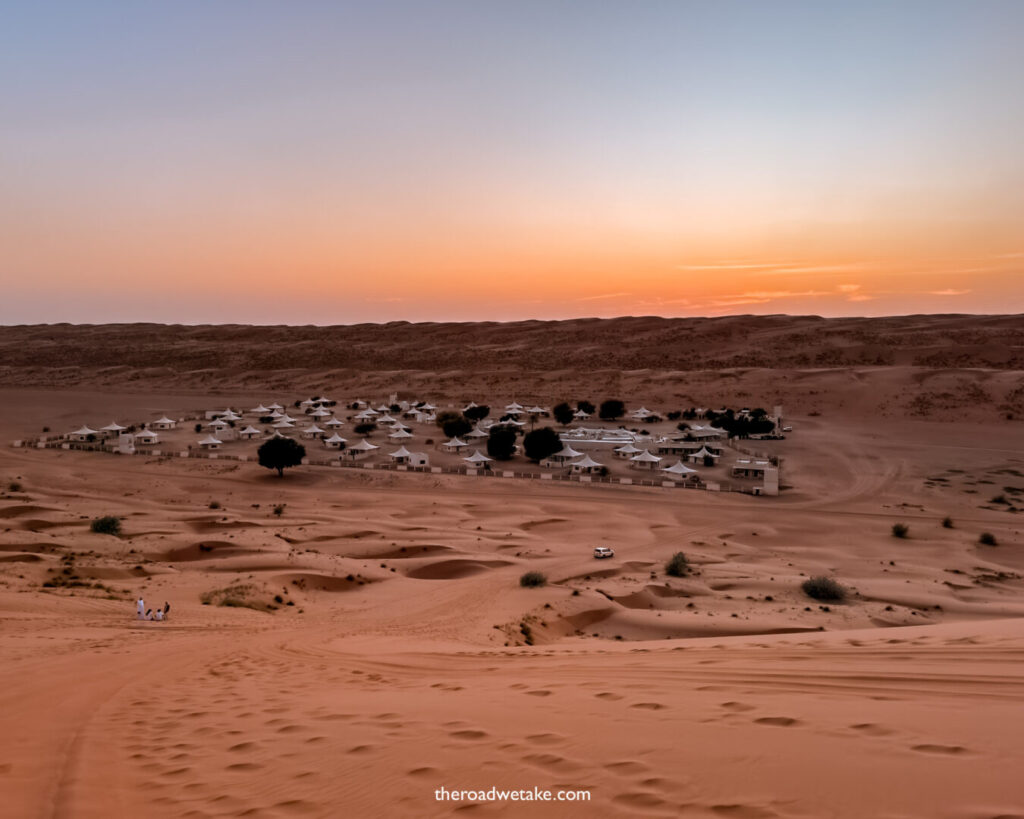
(336, 163)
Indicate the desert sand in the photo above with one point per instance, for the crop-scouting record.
(389, 650)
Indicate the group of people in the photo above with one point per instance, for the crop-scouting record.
(148, 614)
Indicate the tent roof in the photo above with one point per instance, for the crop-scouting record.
(566, 452)
(401, 452)
(400, 433)
(646, 457)
(85, 431)
(164, 420)
(210, 440)
(587, 461)
(455, 442)
(627, 448)
(249, 430)
(364, 445)
(477, 457)
(679, 468)
(113, 426)
(335, 439)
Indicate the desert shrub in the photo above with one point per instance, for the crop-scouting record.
(237, 595)
(586, 406)
(900, 530)
(677, 565)
(364, 429)
(533, 580)
(947, 523)
(14, 486)
(823, 588)
(279, 510)
(987, 539)
(1000, 499)
(215, 504)
(107, 525)
(477, 413)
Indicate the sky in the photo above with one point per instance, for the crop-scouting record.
(332, 163)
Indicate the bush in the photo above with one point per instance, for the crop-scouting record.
(947, 523)
(107, 525)
(477, 413)
(586, 406)
(280, 453)
(279, 510)
(1000, 499)
(824, 588)
(532, 580)
(987, 539)
(900, 530)
(541, 443)
(215, 504)
(364, 429)
(14, 486)
(453, 423)
(677, 565)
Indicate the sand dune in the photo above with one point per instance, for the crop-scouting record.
(372, 643)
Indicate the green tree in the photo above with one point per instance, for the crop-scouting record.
(281, 453)
(477, 413)
(453, 423)
(364, 429)
(612, 409)
(563, 414)
(586, 406)
(501, 443)
(541, 443)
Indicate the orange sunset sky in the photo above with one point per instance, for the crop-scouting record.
(334, 163)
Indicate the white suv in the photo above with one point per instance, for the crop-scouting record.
(603, 551)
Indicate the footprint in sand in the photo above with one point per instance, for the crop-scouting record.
(872, 730)
(648, 706)
(360, 749)
(545, 739)
(468, 734)
(608, 695)
(539, 693)
(949, 750)
(782, 722)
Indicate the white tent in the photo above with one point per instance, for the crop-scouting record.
(312, 431)
(320, 412)
(209, 442)
(477, 458)
(249, 432)
(701, 454)
(230, 415)
(163, 423)
(567, 453)
(400, 433)
(476, 433)
(454, 445)
(645, 460)
(626, 451)
(260, 410)
(282, 424)
(536, 410)
(512, 422)
(286, 417)
(364, 446)
(334, 422)
(586, 464)
(401, 454)
(275, 407)
(83, 433)
(146, 436)
(113, 427)
(581, 414)
(334, 442)
(680, 469)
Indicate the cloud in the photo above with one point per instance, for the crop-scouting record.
(784, 294)
(948, 292)
(860, 297)
(603, 296)
(848, 288)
